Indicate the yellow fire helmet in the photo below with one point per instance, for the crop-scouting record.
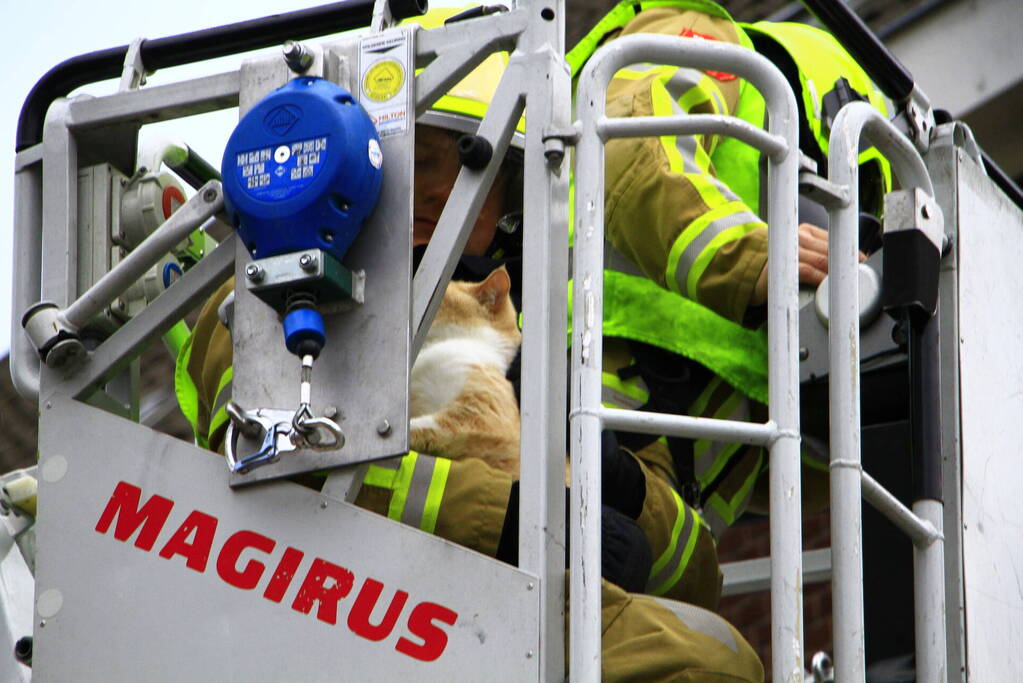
(463, 107)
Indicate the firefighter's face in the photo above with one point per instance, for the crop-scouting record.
(437, 167)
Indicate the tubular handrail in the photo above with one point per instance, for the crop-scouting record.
(860, 124)
(587, 416)
(195, 46)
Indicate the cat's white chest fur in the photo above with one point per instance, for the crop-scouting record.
(445, 360)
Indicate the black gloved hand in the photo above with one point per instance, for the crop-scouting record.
(625, 560)
(623, 485)
(625, 557)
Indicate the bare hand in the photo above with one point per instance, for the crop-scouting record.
(813, 261)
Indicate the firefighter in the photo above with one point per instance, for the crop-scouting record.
(687, 248)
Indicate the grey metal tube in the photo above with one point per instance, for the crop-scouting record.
(649, 126)
(587, 350)
(855, 121)
(131, 339)
(918, 529)
(693, 427)
(28, 189)
(786, 578)
(457, 218)
(929, 598)
(208, 201)
(542, 520)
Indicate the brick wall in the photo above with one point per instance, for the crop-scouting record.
(751, 613)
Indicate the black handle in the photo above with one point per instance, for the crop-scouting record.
(882, 66)
(196, 46)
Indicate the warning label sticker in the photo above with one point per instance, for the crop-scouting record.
(385, 77)
(281, 171)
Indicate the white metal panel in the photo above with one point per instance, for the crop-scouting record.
(991, 367)
(109, 610)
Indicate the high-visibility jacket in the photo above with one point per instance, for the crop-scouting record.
(686, 243)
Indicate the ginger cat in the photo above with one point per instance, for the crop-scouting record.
(462, 404)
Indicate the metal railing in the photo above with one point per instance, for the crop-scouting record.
(780, 434)
(855, 123)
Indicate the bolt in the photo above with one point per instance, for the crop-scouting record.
(529, 654)
(383, 428)
(120, 305)
(297, 56)
(331, 412)
(254, 272)
(307, 262)
(323, 505)
(554, 151)
(529, 586)
(804, 353)
(209, 195)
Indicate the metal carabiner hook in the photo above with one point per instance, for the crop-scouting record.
(254, 425)
(268, 453)
(319, 434)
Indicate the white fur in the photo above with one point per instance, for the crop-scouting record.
(446, 358)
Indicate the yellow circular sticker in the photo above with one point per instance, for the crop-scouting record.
(383, 80)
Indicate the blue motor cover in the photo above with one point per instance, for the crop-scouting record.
(302, 170)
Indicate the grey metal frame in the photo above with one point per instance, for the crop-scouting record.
(856, 123)
(781, 433)
(537, 77)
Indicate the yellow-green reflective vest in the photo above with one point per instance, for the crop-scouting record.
(637, 308)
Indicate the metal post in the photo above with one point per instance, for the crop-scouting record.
(544, 315)
(587, 349)
(28, 221)
(928, 558)
(929, 598)
(854, 121)
(844, 411)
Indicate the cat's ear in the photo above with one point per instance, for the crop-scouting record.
(492, 291)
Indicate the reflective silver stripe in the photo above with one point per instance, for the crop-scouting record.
(682, 81)
(714, 522)
(418, 488)
(693, 250)
(643, 68)
(687, 146)
(618, 399)
(707, 459)
(681, 541)
(223, 396)
(719, 105)
(702, 621)
(617, 261)
(678, 86)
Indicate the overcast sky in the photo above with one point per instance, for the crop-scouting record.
(39, 34)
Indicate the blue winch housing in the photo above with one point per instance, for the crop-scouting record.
(302, 170)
